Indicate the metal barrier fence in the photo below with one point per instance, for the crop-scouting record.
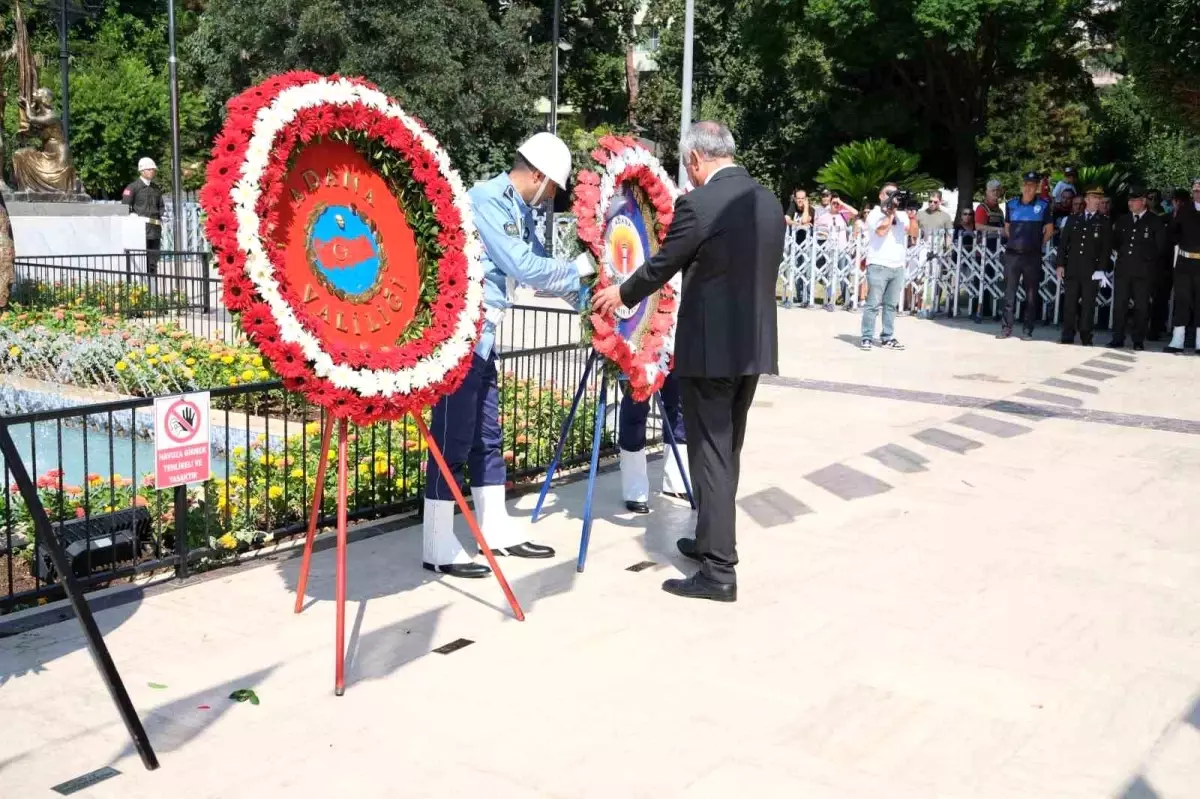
(94, 463)
(959, 275)
(162, 286)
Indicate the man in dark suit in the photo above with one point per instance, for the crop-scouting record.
(1084, 258)
(727, 238)
(1140, 240)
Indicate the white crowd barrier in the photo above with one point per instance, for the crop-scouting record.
(953, 275)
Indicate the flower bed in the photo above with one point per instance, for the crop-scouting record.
(85, 347)
(267, 486)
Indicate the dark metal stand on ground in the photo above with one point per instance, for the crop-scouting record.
(586, 535)
(95, 641)
(339, 679)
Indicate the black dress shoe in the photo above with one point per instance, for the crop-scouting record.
(1173, 350)
(1066, 341)
(1139, 346)
(700, 587)
(1027, 334)
(1085, 343)
(636, 507)
(526, 550)
(687, 548)
(1005, 333)
(1117, 344)
(468, 570)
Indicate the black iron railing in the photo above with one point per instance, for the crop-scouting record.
(96, 460)
(178, 288)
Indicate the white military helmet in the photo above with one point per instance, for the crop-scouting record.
(549, 155)
(146, 163)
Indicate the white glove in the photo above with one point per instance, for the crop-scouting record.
(1103, 278)
(585, 264)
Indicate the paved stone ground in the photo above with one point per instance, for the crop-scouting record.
(968, 570)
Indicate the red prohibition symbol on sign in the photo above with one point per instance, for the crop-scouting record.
(183, 419)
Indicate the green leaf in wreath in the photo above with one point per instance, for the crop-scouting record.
(244, 695)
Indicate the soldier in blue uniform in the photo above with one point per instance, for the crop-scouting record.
(631, 437)
(466, 424)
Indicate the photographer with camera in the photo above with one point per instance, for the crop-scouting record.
(1028, 224)
(890, 225)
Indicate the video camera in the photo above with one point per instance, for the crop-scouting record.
(898, 200)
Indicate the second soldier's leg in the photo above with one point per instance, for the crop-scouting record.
(1121, 293)
(451, 425)
(673, 479)
(1087, 309)
(631, 439)
(1141, 310)
(1070, 308)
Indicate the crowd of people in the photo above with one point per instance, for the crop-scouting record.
(1154, 236)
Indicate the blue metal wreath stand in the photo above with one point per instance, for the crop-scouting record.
(586, 535)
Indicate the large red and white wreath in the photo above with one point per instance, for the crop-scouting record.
(344, 240)
(631, 196)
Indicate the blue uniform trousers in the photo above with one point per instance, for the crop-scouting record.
(631, 432)
(466, 426)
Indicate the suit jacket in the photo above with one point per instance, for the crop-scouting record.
(1085, 245)
(727, 237)
(1140, 245)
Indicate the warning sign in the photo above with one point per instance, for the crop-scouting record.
(181, 443)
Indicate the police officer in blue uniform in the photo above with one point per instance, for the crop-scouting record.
(631, 438)
(1028, 225)
(466, 424)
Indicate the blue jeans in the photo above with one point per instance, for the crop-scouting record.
(885, 286)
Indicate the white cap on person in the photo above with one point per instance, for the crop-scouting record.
(146, 163)
(549, 155)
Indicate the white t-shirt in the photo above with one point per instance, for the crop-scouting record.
(890, 249)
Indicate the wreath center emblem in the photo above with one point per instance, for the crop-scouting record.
(345, 252)
(350, 253)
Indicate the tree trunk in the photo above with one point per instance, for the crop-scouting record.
(966, 154)
(631, 82)
(7, 256)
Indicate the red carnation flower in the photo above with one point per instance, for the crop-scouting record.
(289, 360)
(451, 239)
(297, 383)
(239, 291)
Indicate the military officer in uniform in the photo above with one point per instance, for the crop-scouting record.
(1084, 254)
(465, 424)
(631, 438)
(1185, 233)
(145, 198)
(1140, 240)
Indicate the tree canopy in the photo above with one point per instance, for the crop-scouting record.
(465, 67)
(1161, 40)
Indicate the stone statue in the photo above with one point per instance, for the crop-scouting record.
(47, 169)
(27, 78)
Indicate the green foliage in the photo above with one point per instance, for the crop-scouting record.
(1160, 153)
(1111, 177)
(860, 169)
(593, 70)
(1038, 125)
(759, 71)
(464, 67)
(1160, 40)
(927, 68)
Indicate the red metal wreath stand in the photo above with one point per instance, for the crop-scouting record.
(340, 580)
